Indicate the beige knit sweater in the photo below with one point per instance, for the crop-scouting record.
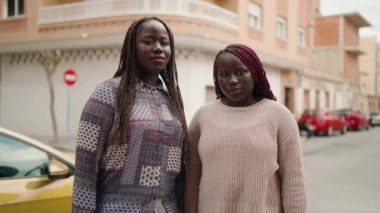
(244, 160)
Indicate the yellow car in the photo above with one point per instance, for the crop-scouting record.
(33, 176)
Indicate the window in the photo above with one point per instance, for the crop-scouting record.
(281, 28)
(13, 8)
(306, 99)
(301, 38)
(254, 16)
(317, 100)
(18, 159)
(327, 99)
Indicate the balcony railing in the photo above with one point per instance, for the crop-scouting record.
(111, 8)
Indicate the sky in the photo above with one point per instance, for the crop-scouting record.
(369, 9)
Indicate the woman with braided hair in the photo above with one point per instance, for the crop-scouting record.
(244, 153)
(132, 130)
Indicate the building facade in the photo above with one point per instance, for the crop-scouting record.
(335, 54)
(377, 79)
(89, 35)
(368, 75)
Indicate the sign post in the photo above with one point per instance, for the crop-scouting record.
(70, 78)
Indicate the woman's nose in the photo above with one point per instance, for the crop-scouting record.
(157, 47)
(233, 79)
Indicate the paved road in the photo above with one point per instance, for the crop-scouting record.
(342, 173)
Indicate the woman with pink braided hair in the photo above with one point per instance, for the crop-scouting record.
(244, 153)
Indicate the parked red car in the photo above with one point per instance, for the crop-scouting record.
(322, 122)
(356, 120)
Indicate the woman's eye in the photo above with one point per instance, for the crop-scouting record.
(147, 42)
(164, 43)
(223, 74)
(241, 72)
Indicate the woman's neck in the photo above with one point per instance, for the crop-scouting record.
(245, 103)
(151, 80)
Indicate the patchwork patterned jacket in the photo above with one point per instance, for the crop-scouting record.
(140, 179)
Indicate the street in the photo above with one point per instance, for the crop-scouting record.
(342, 173)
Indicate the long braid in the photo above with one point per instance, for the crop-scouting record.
(125, 94)
(172, 85)
(249, 58)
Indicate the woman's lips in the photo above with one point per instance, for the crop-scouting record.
(234, 91)
(158, 60)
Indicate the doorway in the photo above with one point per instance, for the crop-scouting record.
(289, 98)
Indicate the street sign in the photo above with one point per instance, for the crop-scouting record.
(70, 77)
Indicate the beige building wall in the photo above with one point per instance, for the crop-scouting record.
(336, 53)
(369, 98)
(351, 37)
(265, 40)
(286, 55)
(231, 5)
(378, 71)
(377, 103)
(288, 49)
(58, 2)
(305, 22)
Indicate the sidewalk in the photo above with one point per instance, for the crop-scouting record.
(69, 147)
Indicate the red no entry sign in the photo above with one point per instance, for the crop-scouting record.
(70, 77)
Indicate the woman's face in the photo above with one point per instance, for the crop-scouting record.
(153, 48)
(235, 80)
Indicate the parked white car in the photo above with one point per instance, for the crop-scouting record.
(374, 119)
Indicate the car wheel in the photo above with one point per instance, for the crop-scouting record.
(344, 130)
(330, 131)
(309, 134)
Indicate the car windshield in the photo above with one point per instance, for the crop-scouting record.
(19, 160)
(344, 111)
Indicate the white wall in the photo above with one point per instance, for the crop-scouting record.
(299, 100)
(195, 74)
(24, 103)
(24, 93)
(274, 78)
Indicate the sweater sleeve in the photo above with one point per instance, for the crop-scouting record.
(290, 167)
(193, 167)
(94, 126)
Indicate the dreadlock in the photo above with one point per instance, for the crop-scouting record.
(127, 69)
(250, 59)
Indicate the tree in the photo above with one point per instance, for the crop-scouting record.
(49, 59)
